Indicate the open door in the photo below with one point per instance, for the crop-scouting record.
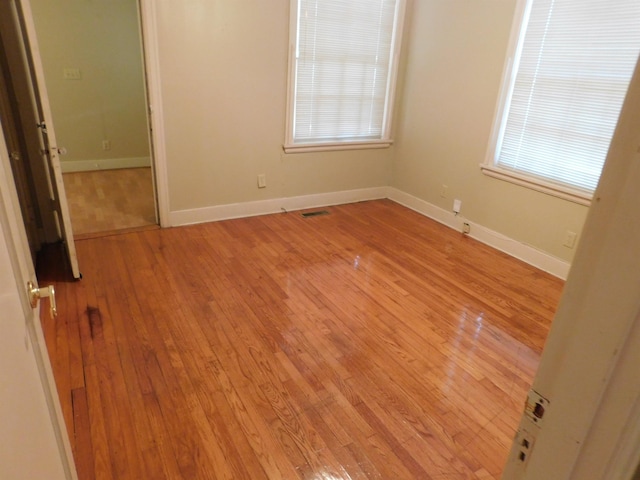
(582, 417)
(34, 441)
(49, 149)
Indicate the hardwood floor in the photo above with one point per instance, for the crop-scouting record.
(367, 343)
(109, 200)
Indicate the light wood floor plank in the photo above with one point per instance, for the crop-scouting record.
(367, 343)
(110, 200)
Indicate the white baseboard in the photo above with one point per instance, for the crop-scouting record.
(69, 166)
(275, 205)
(522, 251)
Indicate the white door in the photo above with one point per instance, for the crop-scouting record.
(587, 425)
(21, 12)
(34, 442)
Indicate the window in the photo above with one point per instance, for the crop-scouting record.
(343, 63)
(569, 69)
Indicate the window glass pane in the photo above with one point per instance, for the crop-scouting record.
(576, 61)
(344, 54)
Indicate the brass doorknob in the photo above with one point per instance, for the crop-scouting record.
(35, 294)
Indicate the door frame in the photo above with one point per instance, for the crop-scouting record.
(22, 265)
(147, 20)
(39, 102)
(151, 61)
(22, 136)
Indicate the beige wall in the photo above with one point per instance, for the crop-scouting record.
(223, 72)
(101, 38)
(224, 75)
(224, 85)
(456, 51)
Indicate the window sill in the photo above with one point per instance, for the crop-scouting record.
(566, 193)
(332, 146)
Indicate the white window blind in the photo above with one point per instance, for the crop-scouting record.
(343, 70)
(572, 68)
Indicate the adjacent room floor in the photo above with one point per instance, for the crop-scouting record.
(109, 200)
(370, 342)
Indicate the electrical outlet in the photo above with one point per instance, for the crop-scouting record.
(106, 145)
(71, 74)
(262, 180)
(466, 228)
(457, 204)
(570, 239)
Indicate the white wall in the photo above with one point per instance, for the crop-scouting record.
(455, 51)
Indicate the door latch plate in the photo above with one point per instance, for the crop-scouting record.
(536, 407)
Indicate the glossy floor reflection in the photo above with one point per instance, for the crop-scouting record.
(367, 343)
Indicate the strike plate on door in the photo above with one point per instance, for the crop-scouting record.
(35, 294)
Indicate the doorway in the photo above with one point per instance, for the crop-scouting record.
(30, 163)
(93, 64)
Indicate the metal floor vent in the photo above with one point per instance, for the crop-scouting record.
(315, 214)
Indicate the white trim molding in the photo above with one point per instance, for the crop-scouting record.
(531, 255)
(566, 193)
(296, 53)
(327, 147)
(151, 54)
(274, 205)
(510, 246)
(69, 166)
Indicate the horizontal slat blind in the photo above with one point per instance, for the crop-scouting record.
(343, 59)
(576, 61)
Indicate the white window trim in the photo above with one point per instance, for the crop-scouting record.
(489, 168)
(386, 141)
(561, 191)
